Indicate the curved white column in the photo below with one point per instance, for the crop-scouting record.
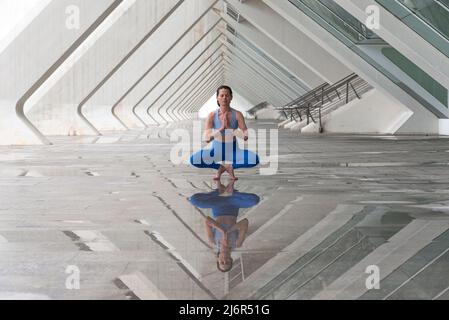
(27, 63)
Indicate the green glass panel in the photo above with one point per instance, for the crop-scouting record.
(423, 17)
(417, 74)
(435, 13)
(329, 21)
(334, 20)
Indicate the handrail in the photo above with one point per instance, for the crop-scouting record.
(349, 29)
(419, 23)
(307, 94)
(306, 97)
(325, 98)
(257, 107)
(359, 28)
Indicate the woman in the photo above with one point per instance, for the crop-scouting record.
(222, 128)
(226, 236)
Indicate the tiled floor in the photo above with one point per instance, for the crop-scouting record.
(115, 212)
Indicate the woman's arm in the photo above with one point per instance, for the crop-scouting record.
(208, 129)
(209, 224)
(243, 133)
(210, 233)
(209, 133)
(242, 227)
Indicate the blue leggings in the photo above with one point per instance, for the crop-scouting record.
(224, 151)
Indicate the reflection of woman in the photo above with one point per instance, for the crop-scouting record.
(222, 127)
(226, 238)
(223, 230)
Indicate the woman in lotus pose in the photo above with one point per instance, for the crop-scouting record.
(222, 128)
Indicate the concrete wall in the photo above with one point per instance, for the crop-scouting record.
(35, 54)
(375, 113)
(268, 113)
(196, 44)
(304, 74)
(403, 39)
(364, 69)
(202, 39)
(57, 112)
(155, 62)
(292, 40)
(238, 102)
(378, 114)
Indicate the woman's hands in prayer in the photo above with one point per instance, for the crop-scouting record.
(224, 121)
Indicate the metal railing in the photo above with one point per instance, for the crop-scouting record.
(339, 19)
(320, 101)
(428, 18)
(257, 107)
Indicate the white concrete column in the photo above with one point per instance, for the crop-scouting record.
(179, 109)
(197, 35)
(277, 72)
(294, 41)
(215, 52)
(33, 57)
(243, 71)
(157, 19)
(421, 116)
(248, 81)
(203, 76)
(243, 77)
(58, 111)
(403, 39)
(216, 74)
(305, 76)
(206, 30)
(179, 26)
(194, 107)
(443, 125)
(204, 95)
(180, 88)
(244, 90)
(239, 57)
(201, 91)
(172, 97)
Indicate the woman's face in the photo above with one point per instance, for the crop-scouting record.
(224, 97)
(224, 260)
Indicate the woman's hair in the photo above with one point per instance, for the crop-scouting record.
(218, 264)
(223, 87)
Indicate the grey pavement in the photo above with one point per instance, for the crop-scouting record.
(114, 210)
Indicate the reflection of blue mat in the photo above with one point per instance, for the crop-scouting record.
(222, 205)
